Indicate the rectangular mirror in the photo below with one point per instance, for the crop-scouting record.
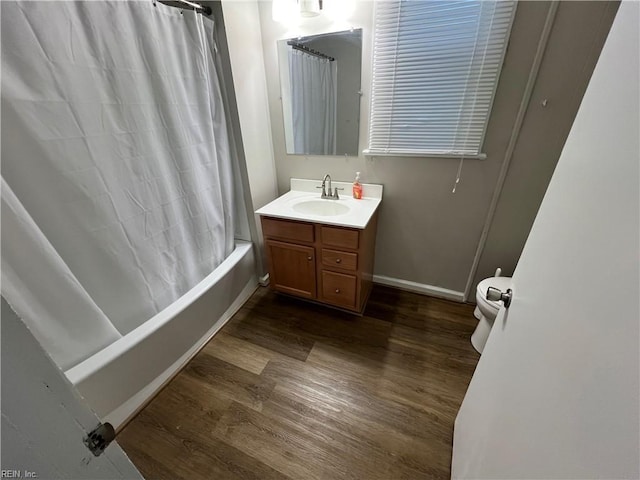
(320, 83)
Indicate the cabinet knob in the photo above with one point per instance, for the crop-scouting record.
(338, 260)
(337, 290)
(309, 258)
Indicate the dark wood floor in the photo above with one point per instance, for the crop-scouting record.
(293, 390)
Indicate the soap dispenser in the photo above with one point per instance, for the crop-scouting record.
(357, 187)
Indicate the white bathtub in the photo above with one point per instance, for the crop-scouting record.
(118, 380)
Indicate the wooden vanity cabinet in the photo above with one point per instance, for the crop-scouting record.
(324, 263)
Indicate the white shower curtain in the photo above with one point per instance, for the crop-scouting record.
(313, 103)
(117, 188)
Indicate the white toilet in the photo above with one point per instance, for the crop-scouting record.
(486, 310)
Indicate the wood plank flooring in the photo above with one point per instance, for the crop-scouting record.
(292, 390)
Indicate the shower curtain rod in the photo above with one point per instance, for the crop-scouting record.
(204, 9)
(310, 51)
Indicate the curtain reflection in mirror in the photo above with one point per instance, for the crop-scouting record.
(313, 102)
(320, 85)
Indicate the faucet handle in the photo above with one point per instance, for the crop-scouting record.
(324, 194)
(335, 192)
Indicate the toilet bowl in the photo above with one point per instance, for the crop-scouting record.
(487, 310)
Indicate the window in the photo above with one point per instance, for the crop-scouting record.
(436, 65)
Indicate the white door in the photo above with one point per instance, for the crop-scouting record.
(44, 419)
(556, 393)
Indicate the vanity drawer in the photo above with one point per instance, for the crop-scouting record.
(339, 237)
(287, 230)
(335, 258)
(339, 289)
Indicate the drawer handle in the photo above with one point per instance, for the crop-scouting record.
(338, 260)
(309, 258)
(337, 290)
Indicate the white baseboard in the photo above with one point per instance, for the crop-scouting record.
(422, 288)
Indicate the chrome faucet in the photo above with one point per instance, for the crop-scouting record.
(326, 193)
(329, 193)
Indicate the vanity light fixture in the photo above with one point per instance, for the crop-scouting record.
(288, 11)
(309, 8)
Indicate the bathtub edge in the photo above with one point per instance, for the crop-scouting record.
(125, 412)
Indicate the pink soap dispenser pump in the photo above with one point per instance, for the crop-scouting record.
(357, 187)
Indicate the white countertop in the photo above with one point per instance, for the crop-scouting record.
(358, 216)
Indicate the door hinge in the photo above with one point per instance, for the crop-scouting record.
(99, 438)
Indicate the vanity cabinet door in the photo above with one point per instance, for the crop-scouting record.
(293, 268)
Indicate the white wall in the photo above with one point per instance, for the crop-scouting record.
(242, 24)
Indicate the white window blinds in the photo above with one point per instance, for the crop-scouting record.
(435, 70)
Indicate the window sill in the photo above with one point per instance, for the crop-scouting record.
(407, 153)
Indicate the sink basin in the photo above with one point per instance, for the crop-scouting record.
(323, 208)
(303, 203)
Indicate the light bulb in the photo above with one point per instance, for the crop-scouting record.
(309, 8)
